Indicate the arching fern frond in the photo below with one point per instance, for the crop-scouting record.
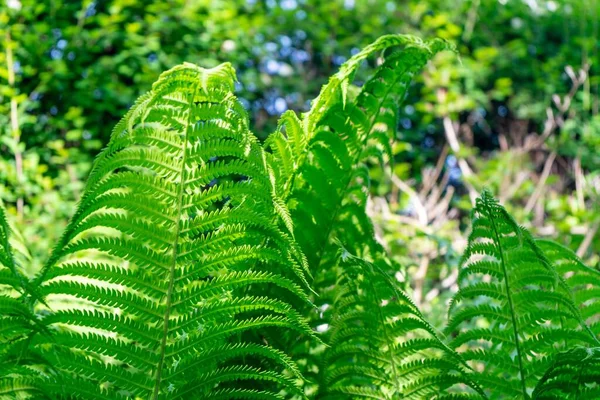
(583, 281)
(512, 311)
(327, 179)
(155, 290)
(340, 134)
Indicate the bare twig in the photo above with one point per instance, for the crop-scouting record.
(432, 178)
(466, 171)
(579, 183)
(415, 200)
(541, 183)
(587, 240)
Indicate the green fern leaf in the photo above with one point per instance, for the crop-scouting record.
(512, 311)
(574, 374)
(583, 281)
(381, 345)
(167, 256)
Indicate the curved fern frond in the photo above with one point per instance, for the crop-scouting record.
(327, 180)
(340, 133)
(177, 235)
(512, 311)
(574, 374)
(583, 281)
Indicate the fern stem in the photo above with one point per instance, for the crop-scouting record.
(508, 296)
(163, 343)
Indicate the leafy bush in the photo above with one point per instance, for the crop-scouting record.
(201, 263)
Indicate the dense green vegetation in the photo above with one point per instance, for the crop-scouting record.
(197, 257)
(238, 239)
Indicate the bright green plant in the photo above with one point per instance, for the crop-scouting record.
(203, 264)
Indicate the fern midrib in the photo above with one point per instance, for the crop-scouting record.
(510, 302)
(165, 333)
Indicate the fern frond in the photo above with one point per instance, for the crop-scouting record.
(329, 190)
(22, 372)
(574, 374)
(513, 310)
(381, 346)
(169, 255)
(583, 280)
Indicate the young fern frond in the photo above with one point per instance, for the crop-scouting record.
(574, 374)
(512, 311)
(154, 290)
(583, 281)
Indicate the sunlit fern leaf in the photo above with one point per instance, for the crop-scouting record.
(342, 133)
(164, 260)
(583, 280)
(574, 374)
(512, 311)
(381, 346)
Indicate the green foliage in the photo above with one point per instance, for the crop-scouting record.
(173, 239)
(17, 322)
(583, 281)
(202, 263)
(573, 375)
(381, 346)
(513, 311)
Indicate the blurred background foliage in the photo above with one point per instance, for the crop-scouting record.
(517, 111)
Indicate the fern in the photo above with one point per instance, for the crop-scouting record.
(574, 374)
(381, 346)
(154, 289)
(19, 377)
(513, 311)
(202, 264)
(583, 281)
(326, 177)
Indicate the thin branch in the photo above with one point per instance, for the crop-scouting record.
(541, 183)
(587, 240)
(466, 171)
(415, 200)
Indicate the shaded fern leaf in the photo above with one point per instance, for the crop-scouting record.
(21, 371)
(512, 311)
(167, 256)
(583, 281)
(574, 374)
(381, 346)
